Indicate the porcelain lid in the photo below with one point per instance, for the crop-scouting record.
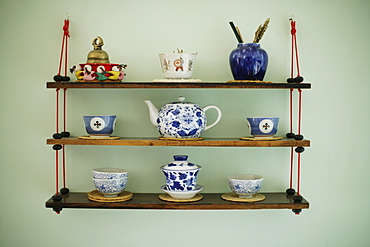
(182, 101)
(180, 163)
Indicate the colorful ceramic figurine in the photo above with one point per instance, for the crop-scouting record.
(78, 72)
(101, 74)
(89, 74)
(116, 73)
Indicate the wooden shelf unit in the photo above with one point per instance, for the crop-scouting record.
(207, 142)
(172, 85)
(152, 201)
(210, 201)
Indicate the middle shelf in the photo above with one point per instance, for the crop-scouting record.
(206, 142)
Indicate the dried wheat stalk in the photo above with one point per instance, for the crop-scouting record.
(260, 31)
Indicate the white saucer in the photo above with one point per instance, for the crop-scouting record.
(183, 194)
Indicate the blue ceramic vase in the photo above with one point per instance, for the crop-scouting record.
(248, 62)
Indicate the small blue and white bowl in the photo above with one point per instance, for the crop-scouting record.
(100, 125)
(246, 185)
(110, 187)
(183, 194)
(263, 127)
(109, 173)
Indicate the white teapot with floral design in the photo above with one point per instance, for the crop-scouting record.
(181, 119)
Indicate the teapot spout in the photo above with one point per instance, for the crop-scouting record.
(153, 112)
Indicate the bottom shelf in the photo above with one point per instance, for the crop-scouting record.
(151, 201)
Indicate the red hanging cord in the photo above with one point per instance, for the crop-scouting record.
(291, 110)
(291, 131)
(64, 166)
(293, 32)
(291, 167)
(299, 175)
(56, 172)
(299, 132)
(64, 109)
(299, 111)
(64, 128)
(64, 41)
(57, 110)
(66, 35)
(292, 53)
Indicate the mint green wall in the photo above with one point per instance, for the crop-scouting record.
(333, 40)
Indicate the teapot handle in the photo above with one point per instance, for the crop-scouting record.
(218, 116)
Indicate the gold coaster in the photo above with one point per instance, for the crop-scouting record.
(256, 81)
(99, 197)
(94, 81)
(261, 138)
(177, 80)
(235, 198)
(167, 197)
(181, 139)
(99, 138)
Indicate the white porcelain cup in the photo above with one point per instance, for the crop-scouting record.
(177, 65)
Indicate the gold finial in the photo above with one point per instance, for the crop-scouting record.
(97, 55)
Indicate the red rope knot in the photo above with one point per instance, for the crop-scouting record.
(293, 30)
(66, 28)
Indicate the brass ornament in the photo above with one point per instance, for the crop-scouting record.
(98, 55)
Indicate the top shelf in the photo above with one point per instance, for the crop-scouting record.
(211, 85)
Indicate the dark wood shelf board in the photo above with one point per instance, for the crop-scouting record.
(220, 142)
(199, 85)
(151, 201)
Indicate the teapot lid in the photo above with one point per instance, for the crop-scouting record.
(182, 101)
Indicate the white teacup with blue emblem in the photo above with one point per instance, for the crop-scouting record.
(263, 127)
(100, 125)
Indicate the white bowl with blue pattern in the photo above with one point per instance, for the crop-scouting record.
(183, 194)
(110, 187)
(245, 185)
(109, 173)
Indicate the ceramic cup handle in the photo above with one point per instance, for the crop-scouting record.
(218, 116)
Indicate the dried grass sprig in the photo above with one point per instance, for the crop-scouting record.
(260, 31)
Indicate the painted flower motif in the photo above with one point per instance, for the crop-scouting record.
(181, 133)
(176, 124)
(176, 112)
(172, 176)
(182, 176)
(177, 186)
(192, 132)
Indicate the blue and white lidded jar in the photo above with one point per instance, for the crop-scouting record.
(180, 174)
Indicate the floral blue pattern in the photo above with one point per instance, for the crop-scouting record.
(181, 121)
(245, 185)
(181, 180)
(110, 186)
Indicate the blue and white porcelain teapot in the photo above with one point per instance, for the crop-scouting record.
(181, 119)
